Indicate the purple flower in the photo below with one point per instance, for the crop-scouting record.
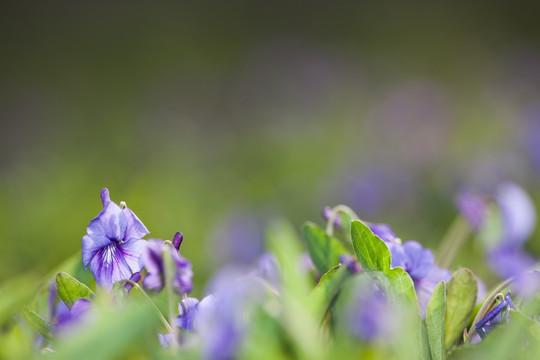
(472, 207)
(350, 262)
(419, 263)
(518, 213)
(496, 316)
(368, 315)
(152, 258)
(113, 245)
(383, 231)
(65, 318)
(504, 249)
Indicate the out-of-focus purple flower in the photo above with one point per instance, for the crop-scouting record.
(113, 245)
(495, 317)
(187, 310)
(472, 207)
(66, 318)
(327, 213)
(152, 259)
(518, 213)
(504, 249)
(135, 278)
(508, 261)
(267, 268)
(350, 262)
(383, 231)
(238, 239)
(419, 263)
(368, 314)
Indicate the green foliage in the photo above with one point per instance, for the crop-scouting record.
(321, 297)
(324, 250)
(435, 322)
(43, 327)
(372, 252)
(460, 300)
(71, 289)
(375, 258)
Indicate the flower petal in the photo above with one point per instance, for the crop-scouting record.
(109, 266)
(131, 251)
(91, 244)
(518, 212)
(110, 222)
(135, 228)
(418, 260)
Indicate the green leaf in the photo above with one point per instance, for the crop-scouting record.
(371, 251)
(323, 249)
(460, 299)
(435, 315)
(321, 297)
(70, 289)
(43, 327)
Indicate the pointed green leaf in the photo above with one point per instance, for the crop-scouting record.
(323, 249)
(43, 327)
(435, 315)
(372, 252)
(460, 299)
(70, 289)
(321, 297)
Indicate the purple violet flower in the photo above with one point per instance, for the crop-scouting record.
(419, 263)
(351, 263)
(504, 249)
(113, 245)
(472, 207)
(66, 318)
(368, 315)
(152, 258)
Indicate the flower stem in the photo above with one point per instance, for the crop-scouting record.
(452, 242)
(160, 315)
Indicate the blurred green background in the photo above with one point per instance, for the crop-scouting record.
(211, 117)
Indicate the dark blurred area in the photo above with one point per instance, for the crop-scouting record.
(211, 117)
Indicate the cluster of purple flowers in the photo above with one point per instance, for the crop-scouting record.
(416, 260)
(503, 221)
(115, 251)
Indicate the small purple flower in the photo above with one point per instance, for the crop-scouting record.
(504, 249)
(113, 245)
(383, 231)
(368, 314)
(66, 318)
(495, 317)
(472, 207)
(419, 263)
(351, 263)
(152, 258)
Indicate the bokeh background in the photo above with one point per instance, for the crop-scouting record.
(212, 117)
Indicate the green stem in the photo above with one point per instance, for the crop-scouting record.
(334, 215)
(452, 242)
(160, 315)
(169, 279)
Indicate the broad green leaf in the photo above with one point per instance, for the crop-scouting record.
(43, 327)
(435, 315)
(460, 299)
(112, 333)
(372, 252)
(70, 289)
(321, 297)
(323, 249)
